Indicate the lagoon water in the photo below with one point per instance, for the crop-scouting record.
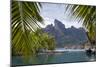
(51, 58)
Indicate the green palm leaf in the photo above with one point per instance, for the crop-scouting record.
(24, 20)
(87, 15)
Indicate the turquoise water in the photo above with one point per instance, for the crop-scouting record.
(48, 58)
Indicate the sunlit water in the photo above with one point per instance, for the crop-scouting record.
(48, 58)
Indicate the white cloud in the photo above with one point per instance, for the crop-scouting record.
(50, 12)
(47, 21)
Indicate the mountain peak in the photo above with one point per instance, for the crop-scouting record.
(58, 24)
(66, 36)
(56, 20)
(72, 27)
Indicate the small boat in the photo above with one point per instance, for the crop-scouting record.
(90, 51)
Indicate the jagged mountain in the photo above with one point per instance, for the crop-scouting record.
(66, 36)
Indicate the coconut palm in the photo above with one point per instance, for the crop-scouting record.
(42, 40)
(87, 15)
(24, 21)
(27, 36)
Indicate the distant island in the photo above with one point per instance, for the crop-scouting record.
(66, 37)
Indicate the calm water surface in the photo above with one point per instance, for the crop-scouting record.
(48, 58)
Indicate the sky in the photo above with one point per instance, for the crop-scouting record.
(52, 11)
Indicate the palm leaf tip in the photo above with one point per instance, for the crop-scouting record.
(87, 15)
(25, 18)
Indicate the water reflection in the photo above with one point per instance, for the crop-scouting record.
(46, 58)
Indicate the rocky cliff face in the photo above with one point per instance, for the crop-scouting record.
(66, 36)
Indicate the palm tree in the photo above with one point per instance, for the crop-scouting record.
(42, 40)
(27, 36)
(87, 15)
(48, 41)
(25, 17)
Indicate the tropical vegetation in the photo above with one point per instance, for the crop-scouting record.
(87, 15)
(26, 38)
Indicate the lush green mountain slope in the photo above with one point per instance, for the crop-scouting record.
(66, 36)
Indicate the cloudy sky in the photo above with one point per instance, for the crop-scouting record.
(51, 11)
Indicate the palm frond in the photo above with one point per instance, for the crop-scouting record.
(87, 15)
(25, 17)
